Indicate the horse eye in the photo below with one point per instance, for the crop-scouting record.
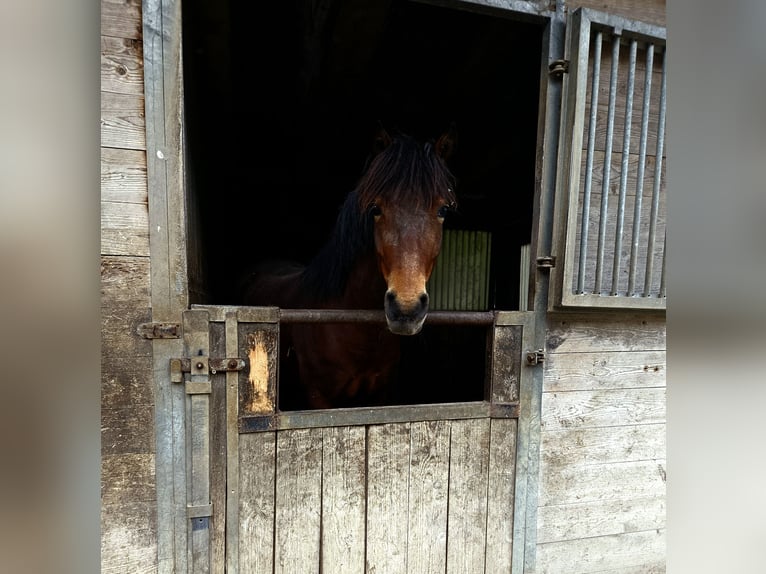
(374, 210)
(444, 209)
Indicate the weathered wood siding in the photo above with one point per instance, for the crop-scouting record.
(602, 468)
(421, 497)
(128, 499)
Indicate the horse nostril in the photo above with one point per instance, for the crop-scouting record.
(390, 296)
(424, 300)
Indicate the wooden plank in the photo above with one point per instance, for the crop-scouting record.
(600, 518)
(573, 333)
(121, 18)
(123, 122)
(127, 428)
(581, 409)
(468, 480)
(125, 280)
(343, 500)
(218, 453)
(259, 344)
(500, 495)
(118, 332)
(122, 66)
(506, 363)
(298, 501)
(633, 550)
(123, 175)
(128, 538)
(127, 478)
(603, 445)
(602, 482)
(388, 466)
(429, 475)
(124, 229)
(594, 371)
(229, 414)
(257, 464)
(126, 382)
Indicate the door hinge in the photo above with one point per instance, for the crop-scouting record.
(557, 68)
(546, 262)
(159, 330)
(535, 357)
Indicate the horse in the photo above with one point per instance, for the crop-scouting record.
(380, 254)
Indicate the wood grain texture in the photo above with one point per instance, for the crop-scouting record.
(603, 445)
(125, 280)
(298, 501)
(468, 479)
(343, 500)
(123, 175)
(429, 475)
(256, 502)
(579, 333)
(123, 121)
(500, 503)
(121, 18)
(591, 519)
(124, 229)
(122, 66)
(581, 409)
(611, 370)
(388, 469)
(640, 551)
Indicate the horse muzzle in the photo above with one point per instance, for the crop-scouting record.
(405, 317)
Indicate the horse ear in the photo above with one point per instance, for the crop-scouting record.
(382, 139)
(447, 142)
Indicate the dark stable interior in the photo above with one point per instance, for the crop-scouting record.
(282, 100)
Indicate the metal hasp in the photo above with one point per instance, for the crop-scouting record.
(535, 357)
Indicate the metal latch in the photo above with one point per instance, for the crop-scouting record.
(159, 330)
(535, 357)
(558, 67)
(203, 365)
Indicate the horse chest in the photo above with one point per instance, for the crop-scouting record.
(342, 365)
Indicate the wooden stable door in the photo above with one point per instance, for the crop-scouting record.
(420, 489)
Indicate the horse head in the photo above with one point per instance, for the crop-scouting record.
(408, 191)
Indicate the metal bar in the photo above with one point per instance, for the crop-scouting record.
(662, 276)
(656, 189)
(641, 169)
(374, 316)
(624, 168)
(607, 164)
(598, 41)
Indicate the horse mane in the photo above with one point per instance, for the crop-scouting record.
(405, 171)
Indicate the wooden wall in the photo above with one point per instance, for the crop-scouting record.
(128, 511)
(649, 11)
(602, 460)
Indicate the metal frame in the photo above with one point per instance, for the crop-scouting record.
(586, 29)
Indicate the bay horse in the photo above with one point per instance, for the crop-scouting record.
(381, 253)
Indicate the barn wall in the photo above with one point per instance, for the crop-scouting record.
(601, 505)
(128, 498)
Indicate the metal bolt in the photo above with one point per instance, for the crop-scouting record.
(232, 363)
(200, 365)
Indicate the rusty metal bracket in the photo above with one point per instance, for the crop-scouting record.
(159, 330)
(203, 365)
(535, 357)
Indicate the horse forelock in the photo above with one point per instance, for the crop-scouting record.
(406, 173)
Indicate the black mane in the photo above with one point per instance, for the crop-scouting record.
(404, 172)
